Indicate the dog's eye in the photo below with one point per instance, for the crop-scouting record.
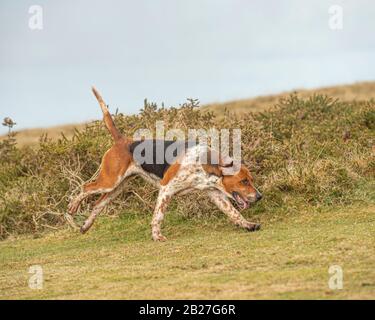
(245, 182)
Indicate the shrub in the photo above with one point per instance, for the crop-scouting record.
(313, 152)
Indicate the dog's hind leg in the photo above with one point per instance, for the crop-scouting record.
(112, 171)
(76, 202)
(99, 206)
(88, 189)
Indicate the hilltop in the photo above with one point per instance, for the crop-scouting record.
(357, 91)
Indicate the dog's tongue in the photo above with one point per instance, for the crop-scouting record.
(243, 204)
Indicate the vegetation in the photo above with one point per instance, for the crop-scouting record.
(313, 152)
(361, 91)
(313, 159)
(202, 259)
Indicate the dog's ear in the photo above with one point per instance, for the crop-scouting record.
(213, 169)
(226, 165)
(216, 164)
(217, 169)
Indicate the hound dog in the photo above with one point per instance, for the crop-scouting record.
(181, 177)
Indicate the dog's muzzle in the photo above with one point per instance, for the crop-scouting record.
(244, 203)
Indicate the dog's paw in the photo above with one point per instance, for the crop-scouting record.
(159, 237)
(72, 208)
(84, 229)
(252, 227)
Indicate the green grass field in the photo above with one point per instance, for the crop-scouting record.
(313, 160)
(205, 258)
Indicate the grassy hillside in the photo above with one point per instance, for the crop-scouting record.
(203, 259)
(358, 91)
(313, 160)
(312, 152)
(31, 137)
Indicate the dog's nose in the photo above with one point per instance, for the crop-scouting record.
(259, 196)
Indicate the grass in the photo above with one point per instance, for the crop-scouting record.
(31, 137)
(203, 258)
(315, 151)
(313, 159)
(357, 91)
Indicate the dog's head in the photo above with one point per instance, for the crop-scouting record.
(238, 186)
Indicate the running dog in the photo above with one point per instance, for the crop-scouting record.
(182, 176)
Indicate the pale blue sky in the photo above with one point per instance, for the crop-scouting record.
(168, 50)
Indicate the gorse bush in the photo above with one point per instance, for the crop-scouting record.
(313, 152)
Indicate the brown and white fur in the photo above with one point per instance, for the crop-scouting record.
(181, 177)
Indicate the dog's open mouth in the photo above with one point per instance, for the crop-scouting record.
(241, 202)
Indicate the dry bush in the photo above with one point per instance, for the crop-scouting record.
(313, 152)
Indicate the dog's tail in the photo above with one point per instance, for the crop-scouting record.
(107, 116)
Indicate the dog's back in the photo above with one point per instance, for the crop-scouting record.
(162, 153)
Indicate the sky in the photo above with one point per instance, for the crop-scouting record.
(170, 50)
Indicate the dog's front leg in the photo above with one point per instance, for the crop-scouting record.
(223, 203)
(161, 206)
